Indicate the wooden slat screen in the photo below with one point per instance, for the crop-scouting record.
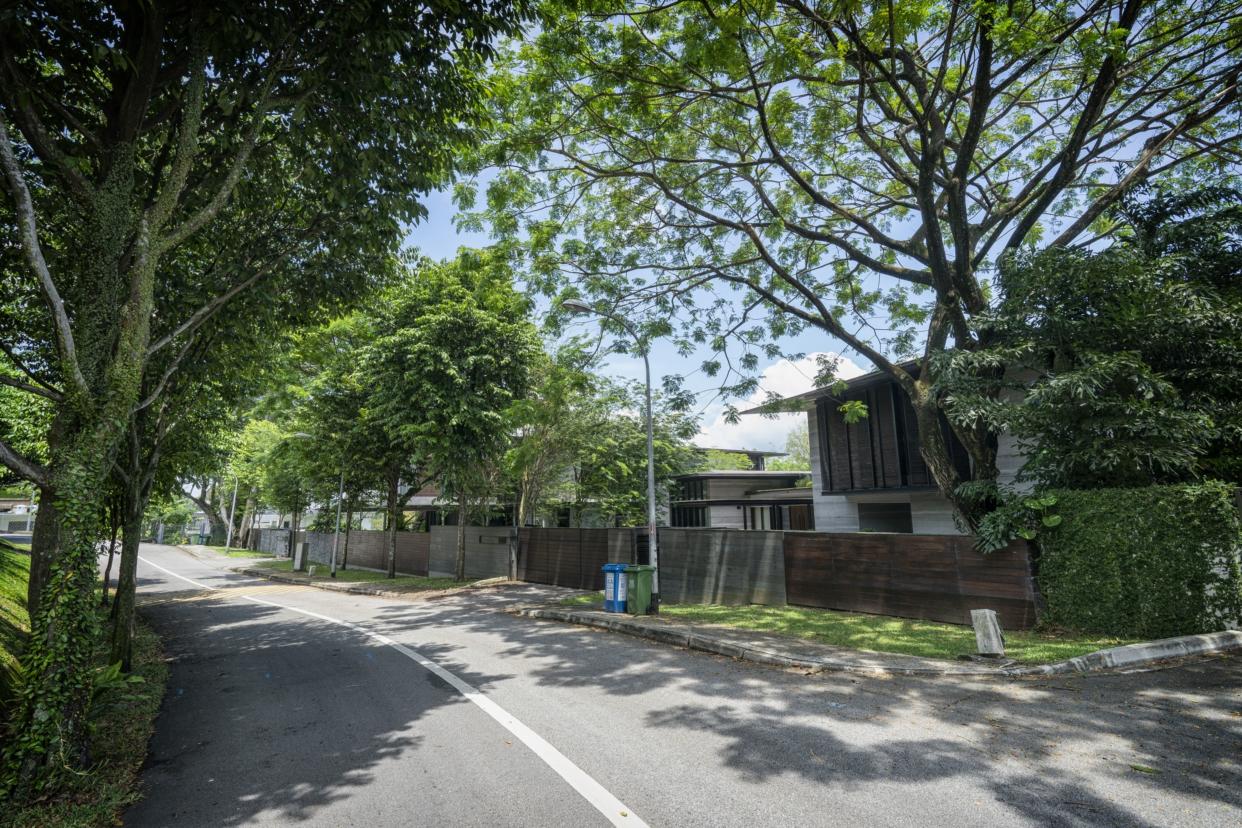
(880, 451)
(933, 577)
(571, 557)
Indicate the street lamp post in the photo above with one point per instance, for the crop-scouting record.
(576, 306)
(340, 495)
(228, 537)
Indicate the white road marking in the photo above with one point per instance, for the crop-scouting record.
(612, 808)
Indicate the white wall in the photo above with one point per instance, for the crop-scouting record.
(931, 514)
(724, 517)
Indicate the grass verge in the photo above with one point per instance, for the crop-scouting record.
(122, 727)
(407, 583)
(238, 552)
(876, 633)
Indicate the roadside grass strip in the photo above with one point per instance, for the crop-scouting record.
(122, 722)
(874, 633)
(410, 583)
(611, 808)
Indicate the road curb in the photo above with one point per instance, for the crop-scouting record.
(1144, 654)
(1151, 653)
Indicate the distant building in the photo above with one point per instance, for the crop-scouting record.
(17, 515)
(757, 458)
(754, 499)
(868, 476)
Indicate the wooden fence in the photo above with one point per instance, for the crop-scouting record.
(368, 549)
(722, 566)
(933, 577)
(487, 551)
(572, 557)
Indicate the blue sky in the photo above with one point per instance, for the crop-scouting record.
(438, 238)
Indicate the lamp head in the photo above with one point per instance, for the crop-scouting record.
(578, 306)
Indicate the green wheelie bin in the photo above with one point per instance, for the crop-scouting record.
(638, 589)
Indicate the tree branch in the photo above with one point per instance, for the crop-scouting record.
(54, 396)
(29, 233)
(21, 366)
(209, 210)
(24, 466)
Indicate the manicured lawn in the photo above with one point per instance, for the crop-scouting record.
(122, 725)
(404, 582)
(237, 552)
(878, 633)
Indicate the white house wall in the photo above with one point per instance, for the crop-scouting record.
(724, 517)
(725, 489)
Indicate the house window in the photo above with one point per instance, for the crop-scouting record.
(885, 517)
(689, 516)
(690, 490)
(759, 517)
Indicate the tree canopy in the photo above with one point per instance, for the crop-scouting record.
(1120, 364)
(162, 160)
(741, 172)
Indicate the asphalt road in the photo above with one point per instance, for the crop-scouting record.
(449, 712)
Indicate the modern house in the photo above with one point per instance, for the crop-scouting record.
(868, 476)
(17, 515)
(749, 499)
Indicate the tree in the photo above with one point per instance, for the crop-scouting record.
(797, 450)
(717, 460)
(355, 448)
(128, 131)
(453, 355)
(557, 420)
(1121, 362)
(744, 171)
(611, 472)
(171, 512)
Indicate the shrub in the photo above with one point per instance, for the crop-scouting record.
(1152, 562)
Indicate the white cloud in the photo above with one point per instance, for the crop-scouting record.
(784, 378)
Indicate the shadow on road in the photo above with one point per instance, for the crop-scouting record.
(301, 713)
(1036, 742)
(1068, 751)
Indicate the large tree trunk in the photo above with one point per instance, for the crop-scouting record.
(934, 449)
(122, 644)
(242, 538)
(459, 571)
(56, 667)
(44, 542)
(394, 514)
(206, 500)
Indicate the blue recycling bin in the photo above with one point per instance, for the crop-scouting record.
(614, 587)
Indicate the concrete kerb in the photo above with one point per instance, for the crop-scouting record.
(1144, 654)
(1131, 656)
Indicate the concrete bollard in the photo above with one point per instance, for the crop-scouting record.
(300, 551)
(988, 636)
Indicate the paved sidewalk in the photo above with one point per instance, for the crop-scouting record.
(814, 657)
(771, 648)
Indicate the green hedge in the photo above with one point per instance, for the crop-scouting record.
(1147, 563)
